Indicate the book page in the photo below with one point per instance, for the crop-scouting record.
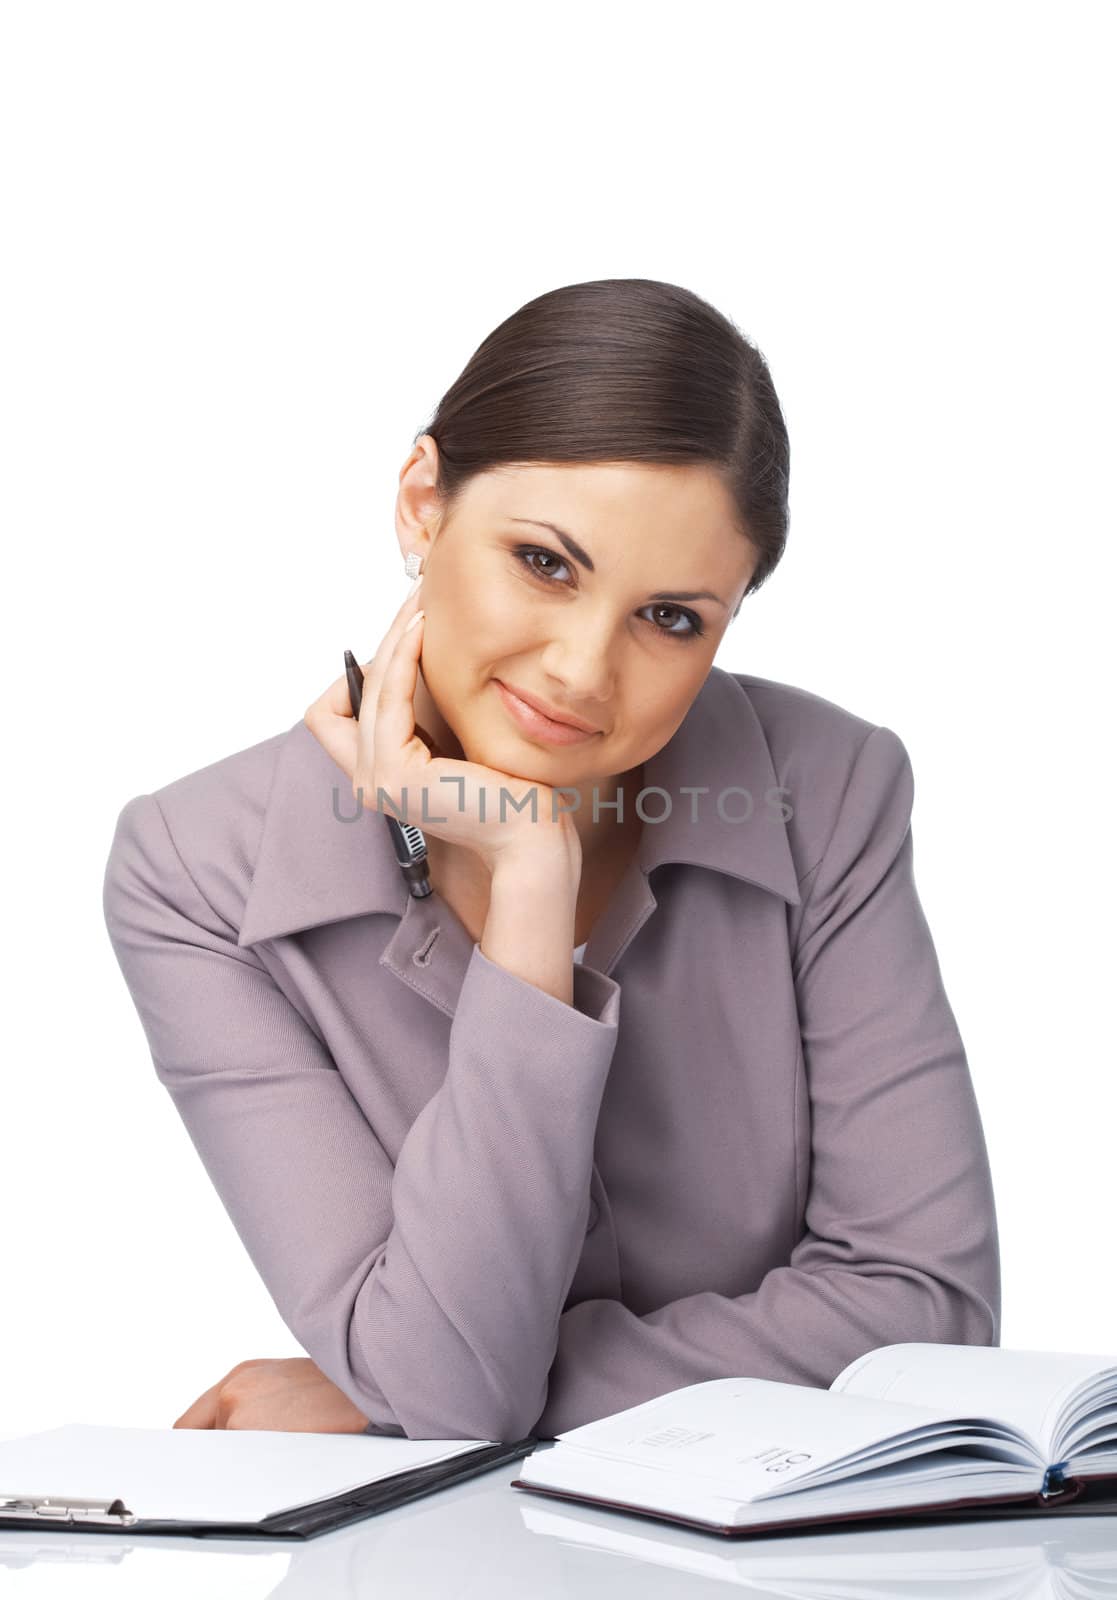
(755, 1438)
(1027, 1388)
(208, 1474)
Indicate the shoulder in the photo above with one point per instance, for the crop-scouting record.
(205, 825)
(806, 733)
(828, 759)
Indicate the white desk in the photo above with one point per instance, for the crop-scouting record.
(482, 1540)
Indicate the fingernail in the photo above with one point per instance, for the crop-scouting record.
(414, 586)
(418, 617)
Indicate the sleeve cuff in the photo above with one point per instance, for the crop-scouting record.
(597, 998)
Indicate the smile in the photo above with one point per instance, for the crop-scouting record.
(537, 726)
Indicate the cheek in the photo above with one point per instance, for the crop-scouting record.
(502, 609)
(480, 612)
(454, 663)
(655, 721)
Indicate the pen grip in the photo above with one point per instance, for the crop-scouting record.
(409, 845)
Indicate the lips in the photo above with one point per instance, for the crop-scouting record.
(545, 710)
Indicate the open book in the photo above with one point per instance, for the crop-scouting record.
(908, 1429)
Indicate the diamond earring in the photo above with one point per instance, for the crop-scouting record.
(413, 565)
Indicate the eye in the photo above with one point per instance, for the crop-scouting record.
(696, 630)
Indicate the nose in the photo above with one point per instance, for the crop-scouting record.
(581, 668)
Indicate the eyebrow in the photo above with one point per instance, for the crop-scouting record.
(574, 549)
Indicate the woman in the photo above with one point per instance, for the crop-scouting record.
(495, 1189)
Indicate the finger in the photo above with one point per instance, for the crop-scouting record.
(428, 739)
(336, 700)
(203, 1413)
(330, 718)
(372, 669)
(395, 706)
(335, 707)
(334, 725)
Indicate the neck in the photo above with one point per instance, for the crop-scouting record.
(617, 823)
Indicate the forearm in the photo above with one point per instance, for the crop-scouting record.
(427, 1288)
(802, 1325)
(529, 929)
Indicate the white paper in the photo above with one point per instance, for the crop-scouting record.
(208, 1474)
(1029, 1388)
(755, 1439)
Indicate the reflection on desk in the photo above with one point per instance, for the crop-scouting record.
(483, 1538)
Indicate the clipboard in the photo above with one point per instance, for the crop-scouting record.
(170, 1462)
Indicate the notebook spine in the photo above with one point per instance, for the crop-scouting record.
(1055, 1481)
(53, 1508)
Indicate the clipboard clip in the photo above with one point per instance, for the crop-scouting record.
(52, 1508)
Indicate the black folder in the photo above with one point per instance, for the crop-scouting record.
(41, 1506)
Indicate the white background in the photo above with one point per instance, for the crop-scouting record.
(248, 247)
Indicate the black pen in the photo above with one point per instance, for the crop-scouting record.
(407, 839)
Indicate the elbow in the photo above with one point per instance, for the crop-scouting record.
(887, 1304)
(412, 1361)
(432, 1411)
(429, 1394)
(948, 1309)
(978, 1309)
(426, 1413)
(970, 1289)
(958, 1299)
(970, 1316)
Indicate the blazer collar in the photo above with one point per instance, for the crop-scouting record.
(312, 867)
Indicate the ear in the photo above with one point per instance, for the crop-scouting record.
(417, 503)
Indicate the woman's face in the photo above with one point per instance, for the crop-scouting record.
(508, 602)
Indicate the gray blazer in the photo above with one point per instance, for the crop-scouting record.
(750, 1147)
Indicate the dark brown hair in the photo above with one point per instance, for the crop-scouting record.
(622, 369)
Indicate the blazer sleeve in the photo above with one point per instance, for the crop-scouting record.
(900, 1241)
(430, 1293)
